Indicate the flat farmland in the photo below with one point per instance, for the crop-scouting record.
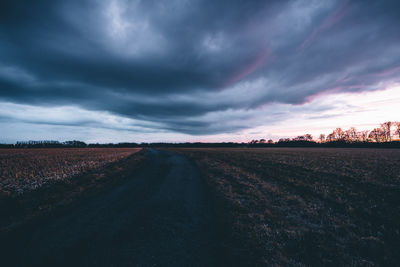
(306, 206)
(24, 170)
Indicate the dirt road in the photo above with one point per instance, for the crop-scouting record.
(159, 217)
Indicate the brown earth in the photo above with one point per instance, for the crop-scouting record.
(306, 206)
(19, 209)
(27, 169)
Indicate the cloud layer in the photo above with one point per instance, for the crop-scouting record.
(191, 67)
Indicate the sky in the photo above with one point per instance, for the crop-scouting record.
(196, 70)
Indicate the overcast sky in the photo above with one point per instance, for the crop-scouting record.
(183, 70)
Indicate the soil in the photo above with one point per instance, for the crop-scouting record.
(306, 206)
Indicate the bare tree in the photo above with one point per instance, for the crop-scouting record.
(308, 137)
(377, 134)
(386, 131)
(322, 138)
(299, 138)
(397, 129)
(338, 134)
(363, 135)
(331, 137)
(351, 134)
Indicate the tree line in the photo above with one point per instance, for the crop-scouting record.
(385, 133)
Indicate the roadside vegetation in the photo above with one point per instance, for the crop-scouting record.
(27, 169)
(109, 167)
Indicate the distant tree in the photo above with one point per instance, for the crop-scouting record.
(397, 130)
(351, 135)
(386, 131)
(331, 137)
(75, 143)
(270, 141)
(339, 134)
(322, 138)
(299, 138)
(363, 136)
(308, 137)
(262, 141)
(377, 134)
(336, 135)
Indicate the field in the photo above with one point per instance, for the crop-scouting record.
(24, 170)
(272, 206)
(304, 206)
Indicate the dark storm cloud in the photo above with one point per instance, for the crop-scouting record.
(187, 65)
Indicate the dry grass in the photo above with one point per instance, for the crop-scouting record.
(27, 169)
(308, 206)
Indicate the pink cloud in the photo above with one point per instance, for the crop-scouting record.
(322, 93)
(335, 90)
(388, 72)
(259, 60)
(327, 23)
